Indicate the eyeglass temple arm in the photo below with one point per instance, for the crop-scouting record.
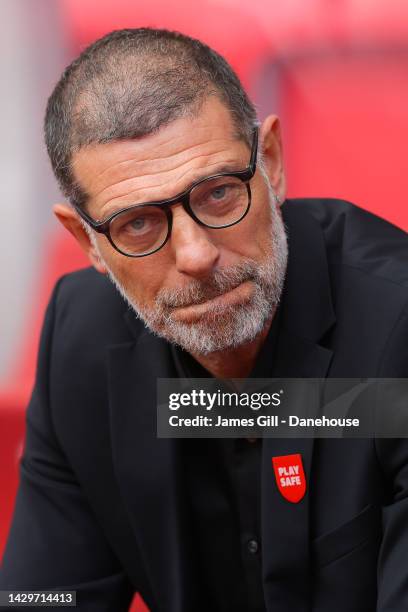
(249, 171)
(98, 226)
(254, 152)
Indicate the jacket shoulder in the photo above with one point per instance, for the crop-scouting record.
(89, 284)
(356, 238)
(87, 305)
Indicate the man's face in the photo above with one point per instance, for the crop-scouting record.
(206, 289)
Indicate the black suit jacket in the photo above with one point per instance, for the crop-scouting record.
(101, 506)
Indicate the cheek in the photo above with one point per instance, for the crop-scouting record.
(262, 220)
(252, 236)
(140, 278)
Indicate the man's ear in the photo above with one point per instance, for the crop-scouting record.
(271, 143)
(70, 220)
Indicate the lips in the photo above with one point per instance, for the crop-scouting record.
(216, 305)
(199, 292)
(208, 297)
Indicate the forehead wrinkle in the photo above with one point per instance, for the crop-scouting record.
(199, 166)
(135, 167)
(148, 160)
(125, 198)
(159, 180)
(165, 173)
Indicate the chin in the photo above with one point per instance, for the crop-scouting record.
(213, 333)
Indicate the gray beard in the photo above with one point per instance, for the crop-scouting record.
(220, 329)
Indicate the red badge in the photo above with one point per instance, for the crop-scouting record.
(290, 477)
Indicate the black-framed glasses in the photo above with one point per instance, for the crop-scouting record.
(215, 202)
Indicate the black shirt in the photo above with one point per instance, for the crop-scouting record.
(224, 480)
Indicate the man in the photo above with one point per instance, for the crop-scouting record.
(175, 194)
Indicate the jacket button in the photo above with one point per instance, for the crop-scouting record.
(253, 547)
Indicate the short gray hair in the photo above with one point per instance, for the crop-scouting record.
(129, 84)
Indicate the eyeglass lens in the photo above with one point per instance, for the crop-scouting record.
(217, 202)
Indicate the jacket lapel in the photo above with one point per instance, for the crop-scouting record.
(306, 316)
(150, 474)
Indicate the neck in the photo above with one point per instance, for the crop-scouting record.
(237, 362)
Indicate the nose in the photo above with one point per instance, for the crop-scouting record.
(195, 253)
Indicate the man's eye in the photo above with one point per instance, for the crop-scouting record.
(141, 225)
(219, 192)
(138, 224)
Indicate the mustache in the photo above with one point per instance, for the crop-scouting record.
(199, 291)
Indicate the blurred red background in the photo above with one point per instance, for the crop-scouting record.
(334, 72)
